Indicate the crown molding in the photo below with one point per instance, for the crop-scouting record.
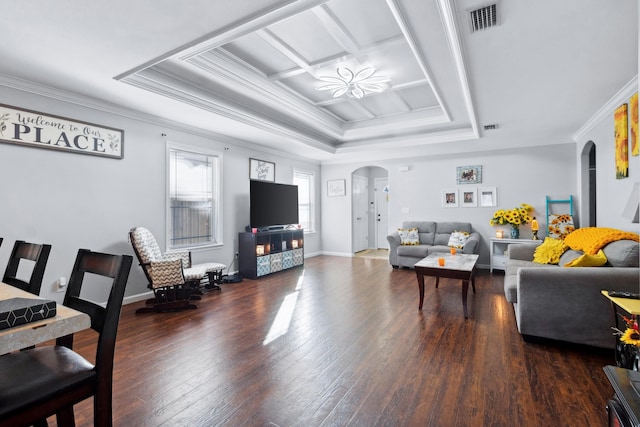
(449, 22)
(607, 109)
(170, 85)
(242, 78)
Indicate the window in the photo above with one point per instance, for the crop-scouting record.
(194, 201)
(305, 182)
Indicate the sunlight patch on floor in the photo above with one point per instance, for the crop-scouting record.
(280, 325)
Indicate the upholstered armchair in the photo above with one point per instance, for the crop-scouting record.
(172, 276)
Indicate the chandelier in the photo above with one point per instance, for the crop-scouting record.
(353, 84)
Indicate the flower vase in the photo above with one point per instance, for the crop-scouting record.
(515, 232)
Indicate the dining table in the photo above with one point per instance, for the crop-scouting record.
(66, 321)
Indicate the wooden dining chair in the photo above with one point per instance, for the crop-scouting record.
(39, 254)
(43, 381)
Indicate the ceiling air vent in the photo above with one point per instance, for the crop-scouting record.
(483, 18)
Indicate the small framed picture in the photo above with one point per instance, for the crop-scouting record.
(468, 198)
(262, 170)
(450, 198)
(487, 196)
(469, 174)
(336, 187)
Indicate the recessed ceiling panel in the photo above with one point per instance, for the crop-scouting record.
(307, 37)
(382, 105)
(305, 85)
(261, 55)
(397, 60)
(368, 21)
(418, 97)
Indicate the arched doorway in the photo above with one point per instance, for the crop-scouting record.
(588, 178)
(370, 208)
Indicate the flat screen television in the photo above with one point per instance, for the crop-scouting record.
(272, 204)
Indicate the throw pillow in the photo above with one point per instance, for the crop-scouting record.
(560, 226)
(458, 239)
(549, 251)
(587, 260)
(409, 237)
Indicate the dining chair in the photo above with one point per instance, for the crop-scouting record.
(43, 381)
(39, 254)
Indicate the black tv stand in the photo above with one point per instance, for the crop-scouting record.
(266, 252)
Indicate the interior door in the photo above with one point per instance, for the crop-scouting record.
(382, 212)
(360, 213)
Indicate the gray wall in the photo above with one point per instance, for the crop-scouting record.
(74, 201)
(519, 175)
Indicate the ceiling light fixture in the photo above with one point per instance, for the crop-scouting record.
(353, 84)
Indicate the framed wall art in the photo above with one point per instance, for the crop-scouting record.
(42, 130)
(621, 135)
(468, 198)
(450, 198)
(487, 196)
(262, 170)
(469, 174)
(336, 187)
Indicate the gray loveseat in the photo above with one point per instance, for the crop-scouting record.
(434, 238)
(565, 303)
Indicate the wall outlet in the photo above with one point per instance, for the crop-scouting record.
(62, 284)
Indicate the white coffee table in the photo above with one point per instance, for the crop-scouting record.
(458, 266)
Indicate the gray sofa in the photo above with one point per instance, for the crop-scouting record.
(565, 303)
(434, 237)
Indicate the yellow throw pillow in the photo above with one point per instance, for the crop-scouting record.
(586, 260)
(409, 237)
(549, 251)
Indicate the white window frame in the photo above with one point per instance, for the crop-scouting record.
(312, 197)
(216, 195)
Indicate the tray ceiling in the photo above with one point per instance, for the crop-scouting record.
(268, 69)
(247, 71)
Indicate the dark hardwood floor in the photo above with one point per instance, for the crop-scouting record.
(356, 352)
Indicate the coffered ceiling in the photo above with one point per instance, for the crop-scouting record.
(252, 69)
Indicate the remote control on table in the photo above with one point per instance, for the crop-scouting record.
(620, 294)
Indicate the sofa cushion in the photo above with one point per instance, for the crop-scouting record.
(569, 256)
(560, 226)
(623, 253)
(588, 260)
(549, 251)
(419, 251)
(444, 230)
(458, 239)
(426, 230)
(409, 236)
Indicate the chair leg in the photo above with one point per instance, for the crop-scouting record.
(102, 410)
(65, 417)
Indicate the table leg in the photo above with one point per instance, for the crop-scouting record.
(421, 288)
(437, 281)
(465, 289)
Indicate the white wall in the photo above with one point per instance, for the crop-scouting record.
(519, 175)
(74, 201)
(612, 193)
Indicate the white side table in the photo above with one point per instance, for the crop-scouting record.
(499, 250)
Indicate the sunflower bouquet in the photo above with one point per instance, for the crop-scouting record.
(514, 217)
(627, 353)
(631, 335)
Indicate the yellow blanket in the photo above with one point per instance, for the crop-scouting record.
(591, 239)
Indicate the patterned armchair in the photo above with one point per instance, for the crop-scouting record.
(172, 277)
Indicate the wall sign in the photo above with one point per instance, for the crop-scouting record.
(34, 129)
